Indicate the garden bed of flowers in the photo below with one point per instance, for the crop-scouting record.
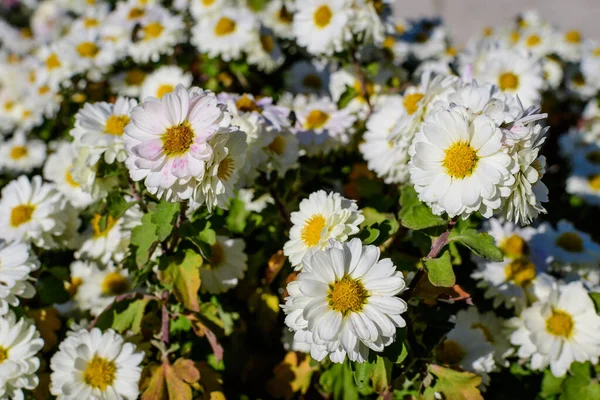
(244, 199)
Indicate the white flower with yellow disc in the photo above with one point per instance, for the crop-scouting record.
(226, 267)
(159, 33)
(164, 80)
(21, 155)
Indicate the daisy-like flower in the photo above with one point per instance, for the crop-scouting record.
(21, 155)
(159, 33)
(168, 140)
(266, 53)
(164, 80)
(559, 329)
(567, 245)
(100, 127)
(459, 165)
(322, 216)
(86, 52)
(308, 77)
(58, 168)
(19, 343)
(95, 365)
(54, 63)
(279, 17)
(570, 45)
(323, 27)
(226, 267)
(226, 34)
(206, 8)
(585, 184)
(128, 83)
(344, 302)
(283, 152)
(32, 211)
(16, 263)
(94, 288)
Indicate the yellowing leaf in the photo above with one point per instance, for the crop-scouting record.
(48, 323)
(275, 264)
(292, 375)
(183, 275)
(453, 385)
(166, 381)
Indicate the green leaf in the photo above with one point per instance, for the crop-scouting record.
(236, 219)
(397, 351)
(349, 94)
(439, 271)
(131, 317)
(482, 244)
(117, 205)
(580, 385)
(551, 385)
(596, 299)
(362, 374)
(453, 385)
(183, 276)
(382, 375)
(416, 215)
(369, 234)
(143, 237)
(164, 218)
(339, 381)
(52, 290)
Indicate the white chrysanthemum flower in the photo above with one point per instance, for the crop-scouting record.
(266, 53)
(308, 77)
(585, 184)
(341, 79)
(54, 63)
(21, 155)
(553, 72)
(168, 140)
(86, 174)
(283, 152)
(160, 31)
(19, 343)
(86, 52)
(58, 168)
(322, 26)
(344, 302)
(279, 17)
(128, 83)
(206, 8)
(33, 211)
(95, 287)
(226, 34)
(226, 267)
(558, 330)
(322, 216)
(164, 80)
(459, 166)
(110, 243)
(536, 41)
(570, 45)
(567, 245)
(95, 365)
(16, 263)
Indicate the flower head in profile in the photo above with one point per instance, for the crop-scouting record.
(344, 302)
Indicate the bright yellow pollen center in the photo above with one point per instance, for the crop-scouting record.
(99, 373)
(311, 231)
(3, 354)
(594, 182)
(389, 42)
(322, 16)
(508, 81)
(207, 2)
(97, 229)
(18, 152)
(267, 42)
(460, 160)
(316, 119)
(226, 168)
(87, 49)
(560, 324)
(312, 81)
(178, 139)
(488, 31)
(571, 242)
(596, 52)
(277, 146)
(115, 124)
(135, 77)
(152, 30)
(411, 102)
(27, 113)
(43, 89)
(73, 286)
(450, 352)
(489, 337)
(533, 41)
(90, 22)
(164, 89)
(347, 295)
(246, 104)
(573, 36)
(21, 214)
(9, 105)
(136, 13)
(514, 246)
(225, 26)
(520, 272)
(114, 284)
(52, 61)
(69, 178)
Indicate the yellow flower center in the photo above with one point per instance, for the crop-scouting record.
(115, 124)
(573, 36)
(489, 337)
(135, 77)
(9, 105)
(312, 81)
(97, 229)
(3, 354)
(152, 30)
(225, 26)
(450, 352)
(73, 286)
(322, 16)
(43, 89)
(100, 373)
(87, 49)
(267, 42)
(246, 104)
(136, 12)
(21, 214)
(284, 16)
(571, 242)
(400, 29)
(369, 89)
(90, 22)
(488, 31)
(52, 61)
(226, 168)
(26, 33)
(69, 178)
(18, 152)
(593, 157)
(460, 160)
(508, 81)
(311, 231)
(520, 272)
(514, 246)
(594, 181)
(389, 42)
(533, 41)
(164, 89)
(114, 284)
(560, 323)
(27, 113)
(207, 2)
(411, 102)
(177, 140)
(347, 295)
(596, 52)
(277, 146)
(316, 119)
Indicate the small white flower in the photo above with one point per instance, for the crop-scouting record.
(226, 267)
(160, 31)
(322, 216)
(95, 365)
(344, 302)
(266, 53)
(279, 17)
(21, 155)
(164, 80)
(16, 263)
(567, 245)
(128, 83)
(308, 77)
